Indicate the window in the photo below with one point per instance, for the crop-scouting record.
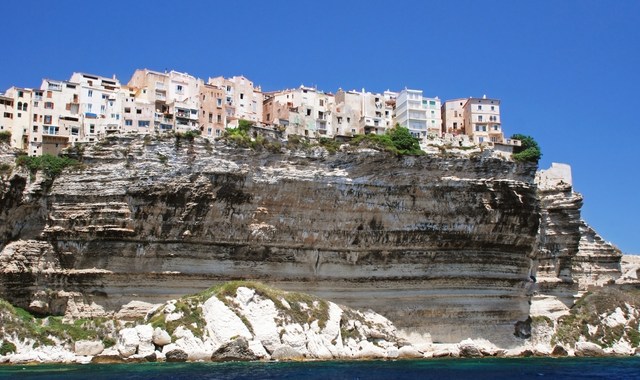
(89, 106)
(47, 119)
(179, 89)
(48, 105)
(128, 122)
(75, 131)
(241, 96)
(210, 117)
(493, 108)
(104, 97)
(219, 102)
(479, 117)
(35, 128)
(143, 123)
(479, 107)
(49, 94)
(308, 112)
(90, 93)
(339, 119)
(92, 128)
(321, 102)
(127, 110)
(35, 117)
(138, 111)
(20, 94)
(103, 108)
(219, 119)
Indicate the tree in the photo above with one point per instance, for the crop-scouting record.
(403, 140)
(529, 151)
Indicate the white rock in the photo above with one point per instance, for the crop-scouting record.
(128, 341)
(295, 337)
(261, 314)
(244, 295)
(145, 338)
(88, 347)
(222, 323)
(616, 318)
(316, 346)
(195, 348)
(409, 352)
(134, 309)
(161, 337)
(258, 349)
(368, 350)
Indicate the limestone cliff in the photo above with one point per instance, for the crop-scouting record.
(438, 245)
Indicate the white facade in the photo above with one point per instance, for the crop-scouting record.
(421, 115)
(243, 101)
(101, 103)
(305, 111)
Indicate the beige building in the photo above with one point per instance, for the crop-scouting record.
(482, 120)
(7, 113)
(303, 111)
(212, 110)
(174, 96)
(453, 116)
(242, 100)
(347, 113)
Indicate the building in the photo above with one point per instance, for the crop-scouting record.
(101, 101)
(212, 115)
(453, 116)
(303, 111)
(242, 101)
(421, 115)
(174, 97)
(482, 120)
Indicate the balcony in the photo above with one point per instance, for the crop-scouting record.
(161, 96)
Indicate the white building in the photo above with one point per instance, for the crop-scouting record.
(243, 100)
(421, 115)
(101, 103)
(303, 111)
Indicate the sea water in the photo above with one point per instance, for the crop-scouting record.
(495, 369)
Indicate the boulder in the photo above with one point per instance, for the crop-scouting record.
(559, 351)
(161, 337)
(176, 355)
(145, 339)
(135, 310)
(588, 349)
(236, 350)
(285, 352)
(468, 349)
(409, 352)
(128, 341)
(88, 347)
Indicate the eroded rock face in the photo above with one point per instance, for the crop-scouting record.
(437, 245)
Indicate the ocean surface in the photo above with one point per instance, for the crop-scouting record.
(519, 369)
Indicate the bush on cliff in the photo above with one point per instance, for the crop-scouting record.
(529, 151)
(397, 140)
(49, 164)
(5, 137)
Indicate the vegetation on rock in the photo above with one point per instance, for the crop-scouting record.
(586, 319)
(49, 164)
(397, 140)
(529, 151)
(22, 325)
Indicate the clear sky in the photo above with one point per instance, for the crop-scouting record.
(567, 72)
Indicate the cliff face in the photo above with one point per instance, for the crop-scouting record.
(437, 245)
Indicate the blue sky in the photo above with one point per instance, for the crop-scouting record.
(567, 72)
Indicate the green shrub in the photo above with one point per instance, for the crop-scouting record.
(5, 137)
(529, 151)
(7, 348)
(49, 164)
(330, 145)
(397, 140)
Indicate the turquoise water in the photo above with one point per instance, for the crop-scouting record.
(520, 369)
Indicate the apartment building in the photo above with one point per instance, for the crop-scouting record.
(303, 111)
(482, 120)
(421, 115)
(174, 96)
(7, 111)
(242, 101)
(212, 115)
(453, 116)
(347, 113)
